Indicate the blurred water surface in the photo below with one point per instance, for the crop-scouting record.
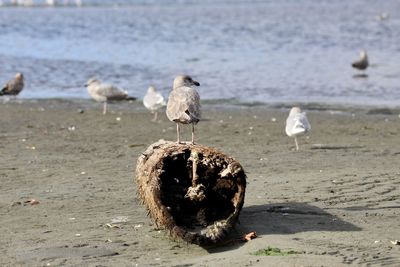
(267, 51)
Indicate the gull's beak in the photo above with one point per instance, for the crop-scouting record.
(196, 83)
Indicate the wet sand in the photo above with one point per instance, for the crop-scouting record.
(336, 206)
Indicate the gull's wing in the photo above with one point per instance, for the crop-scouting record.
(184, 105)
(111, 92)
(297, 124)
(13, 86)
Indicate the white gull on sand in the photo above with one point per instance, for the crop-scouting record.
(106, 92)
(153, 101)
(184, 103)
(297, 124)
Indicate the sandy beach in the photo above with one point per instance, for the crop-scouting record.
(335, 204)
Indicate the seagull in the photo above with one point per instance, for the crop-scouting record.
(153, 101)
(14, 86)
(106, 92)
(184, 103)
(362, 62)
(297, 124)
(382, 16)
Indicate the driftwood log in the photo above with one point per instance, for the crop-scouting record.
(194, 191)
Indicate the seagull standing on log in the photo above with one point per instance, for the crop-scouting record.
(184, 103)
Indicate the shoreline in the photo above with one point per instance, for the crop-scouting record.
(234, 103)
(334, 206)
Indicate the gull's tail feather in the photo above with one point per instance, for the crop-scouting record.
(298, 128)
(4, 91)
(131, 98)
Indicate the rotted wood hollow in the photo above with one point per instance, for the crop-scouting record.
(194, 191)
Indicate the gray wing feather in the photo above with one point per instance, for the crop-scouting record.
(184, 105)
(112, 92)
(297, 124)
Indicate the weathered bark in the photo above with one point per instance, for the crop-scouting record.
(194, 191)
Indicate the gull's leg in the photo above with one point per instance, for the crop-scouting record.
(192, 134)
(295, 141)
(178, 134)
(104, 107)
(155, 116)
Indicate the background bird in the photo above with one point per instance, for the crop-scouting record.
(153, 101)
(362, 63)
(14, 86)
(106, 92)
(184, 103)
(297, 124)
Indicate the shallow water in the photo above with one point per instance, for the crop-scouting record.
(272, 51)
